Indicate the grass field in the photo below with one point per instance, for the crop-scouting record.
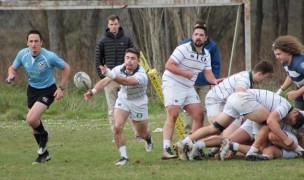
(81, 146)
(82, 149)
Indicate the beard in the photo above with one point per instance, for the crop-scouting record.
(198, 43)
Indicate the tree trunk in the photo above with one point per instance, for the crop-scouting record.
(89, 28)
(275, 19)
(257, 30)
(302, 24)
(56, 33)
(283, 6)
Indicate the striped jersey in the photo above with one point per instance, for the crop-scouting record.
(132, 92)
(271, 101)
(187, 58)
(296, 70)
(227, 86)
(40, 70)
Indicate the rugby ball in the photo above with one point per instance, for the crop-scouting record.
(82, 80)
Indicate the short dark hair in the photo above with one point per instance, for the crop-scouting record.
(34, 31)
(134, 51)
(200, 27)
(200, 23)
(299, 121)
(264, 67)
(113, 17)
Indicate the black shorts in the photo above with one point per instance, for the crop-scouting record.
(45, 96)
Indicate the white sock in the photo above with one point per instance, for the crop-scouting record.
(235, 146)
(167, 143)
(188, 141)
(253, 150)
(200, 144)
(123, 151)
(299, 149)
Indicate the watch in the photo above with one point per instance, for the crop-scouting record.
(61, 87)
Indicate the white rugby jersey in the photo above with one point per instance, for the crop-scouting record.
(187, 58)
(227, 86)
(132, 92)
(271, 101)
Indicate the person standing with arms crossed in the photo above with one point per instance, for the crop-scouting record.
(182, 69)
(110, 51)
(202, 86)
(39, 65)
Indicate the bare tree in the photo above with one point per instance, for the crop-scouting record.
(283, 6)
(302, 24)
(275, 19)
(89, 28)
(258, 29)
(56, 33)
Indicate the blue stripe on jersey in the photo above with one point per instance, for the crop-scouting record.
(296, 70)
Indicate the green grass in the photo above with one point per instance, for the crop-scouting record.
(81, 148)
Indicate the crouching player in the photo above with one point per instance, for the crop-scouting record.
(132, 100)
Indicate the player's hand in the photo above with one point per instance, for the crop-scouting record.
(88, 95)
(10, 79)
(219, 80)
(58, 94)
(103, 69)
(288, 141)
(292, 95)
(188, 74)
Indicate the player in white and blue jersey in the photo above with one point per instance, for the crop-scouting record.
(182, 69)
(289, 51)
(39, 64)
(132, 100)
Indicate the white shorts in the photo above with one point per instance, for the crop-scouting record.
(214, 105)
(240, 103)
(251, 127)
(177, 95)
(290, 154)
(137, 108)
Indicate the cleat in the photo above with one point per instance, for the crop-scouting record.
(194, 154)
(225, 147)
(256, 157)
(42, 158)
(149, 143)
(168, 154)
(212, 152)
(180, 151)
(139, 139)
(122, 161)
(44, 138)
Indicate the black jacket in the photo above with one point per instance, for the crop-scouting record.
(110, 50)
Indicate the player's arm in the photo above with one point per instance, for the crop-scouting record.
(128, 81)
(172, 66)
(273, 123)
(210, 77)
(98, 86)
(11, 74)
(65, 75)
(285, 85)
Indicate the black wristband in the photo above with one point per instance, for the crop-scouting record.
(61, 87)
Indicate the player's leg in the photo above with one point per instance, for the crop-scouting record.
(120, 117)
(194, 108)
(38, 102)
(111, 93)
(174, 98)
(139, 116)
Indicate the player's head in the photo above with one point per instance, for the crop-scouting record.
(34, 41)
(132, 58)
(295, 118)
(199, 35)
(200, 23)
(288, 44)
(262, 70)
(113, 23)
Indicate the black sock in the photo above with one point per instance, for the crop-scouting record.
(37, 137)
(40, 128)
